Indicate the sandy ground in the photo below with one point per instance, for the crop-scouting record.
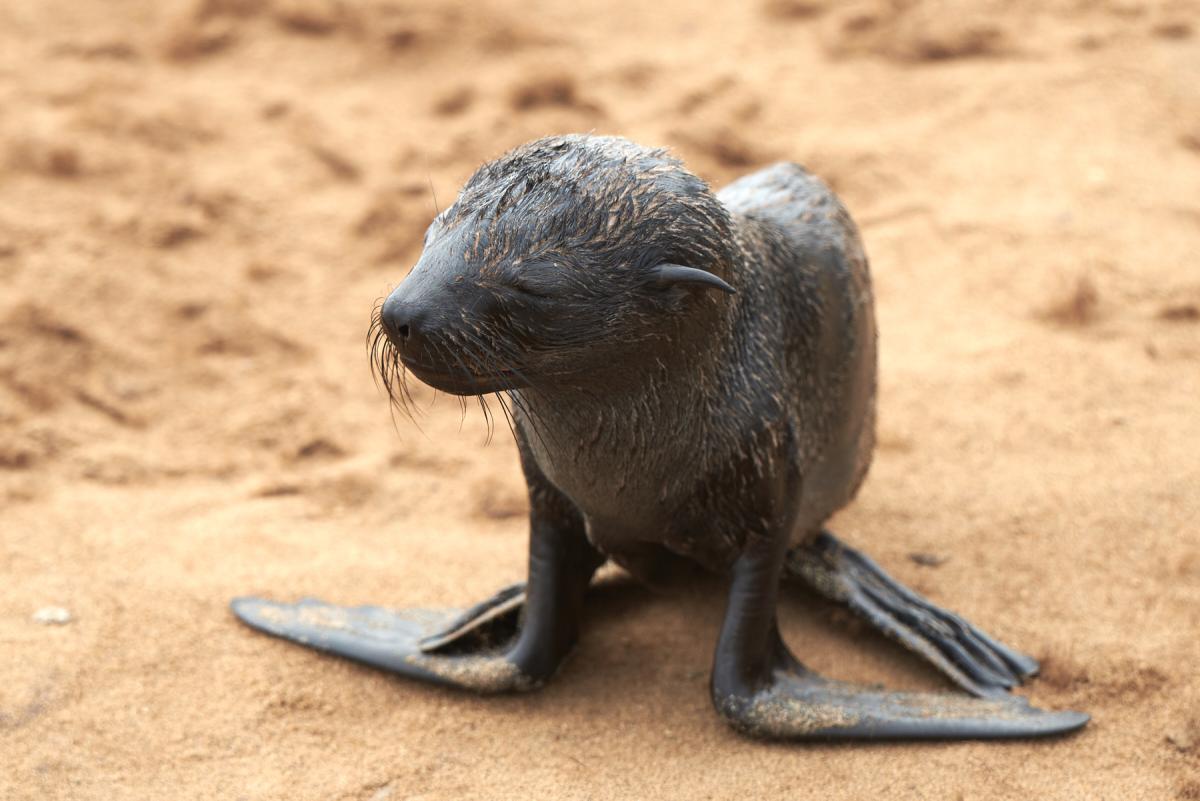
(200, 203)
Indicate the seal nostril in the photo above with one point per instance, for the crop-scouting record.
(403, 331)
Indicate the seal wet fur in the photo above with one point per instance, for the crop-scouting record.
(687, 374)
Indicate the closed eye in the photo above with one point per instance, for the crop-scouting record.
(537, 280)
(525, 288)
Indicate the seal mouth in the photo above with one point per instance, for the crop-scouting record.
(459, 382)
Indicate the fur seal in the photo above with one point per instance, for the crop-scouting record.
(687, 374)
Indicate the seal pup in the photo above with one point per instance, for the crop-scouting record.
(686, 373)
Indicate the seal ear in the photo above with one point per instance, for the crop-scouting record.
(668, 275)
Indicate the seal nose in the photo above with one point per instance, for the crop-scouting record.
(402, 321)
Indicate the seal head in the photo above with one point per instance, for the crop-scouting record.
(558, 258)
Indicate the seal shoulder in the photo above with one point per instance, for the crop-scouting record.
(785, 192)
(795, 223)
(813, 289)
(804, 225)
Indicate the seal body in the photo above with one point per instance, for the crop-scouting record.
(686, 373)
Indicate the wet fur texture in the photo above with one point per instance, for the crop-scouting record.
(657, 411)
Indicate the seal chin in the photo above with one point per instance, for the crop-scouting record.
(461, 384)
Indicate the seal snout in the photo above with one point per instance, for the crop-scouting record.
(412, 317)
(423, 326)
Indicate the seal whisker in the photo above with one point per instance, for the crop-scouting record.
(387, 369)
(486, 408)
(508, 418)
(536, 424)
(488, 417)
(482, 357)
(488, 349)
(455, 352)
(496, 346)
(491, 349)
(442, 350)
(483, 360)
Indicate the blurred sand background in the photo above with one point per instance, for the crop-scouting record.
(201, 202)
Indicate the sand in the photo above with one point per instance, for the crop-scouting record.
(200, 204)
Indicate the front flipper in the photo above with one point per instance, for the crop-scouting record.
(515, 640)
(796, 704)
(973, 660)
(472, 649)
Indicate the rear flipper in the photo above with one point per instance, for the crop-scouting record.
(796, 704)
(973, 660)
(472, 649)
(763, 690)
